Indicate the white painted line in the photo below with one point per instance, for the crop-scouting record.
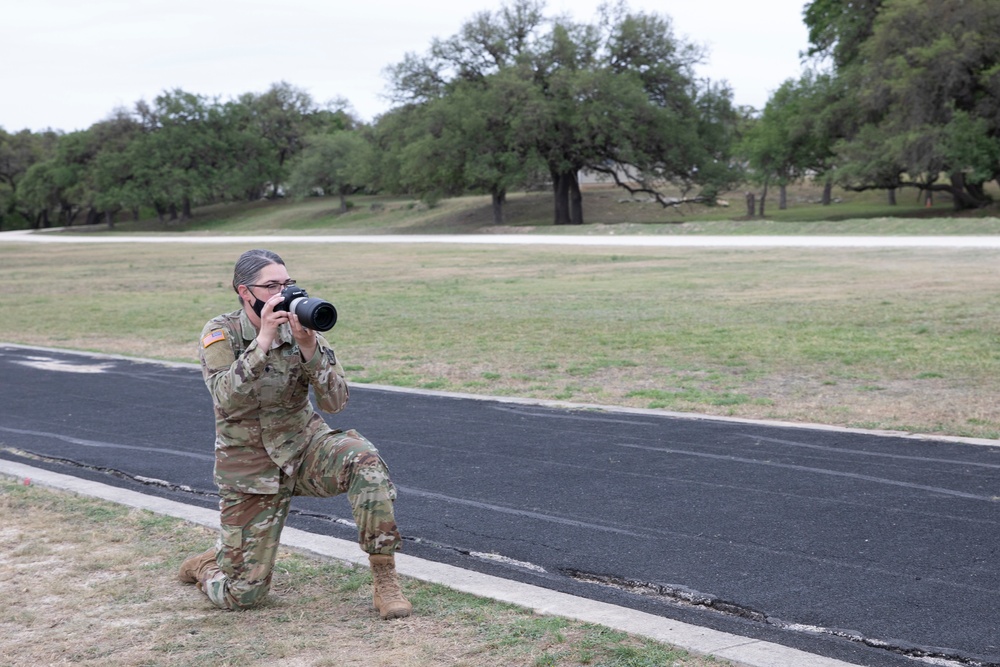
(664, 240)
(743, 651)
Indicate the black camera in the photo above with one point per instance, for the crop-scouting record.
(313, 313)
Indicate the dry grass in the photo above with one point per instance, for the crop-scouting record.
(90, 583)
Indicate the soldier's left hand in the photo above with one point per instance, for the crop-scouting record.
(304, 336)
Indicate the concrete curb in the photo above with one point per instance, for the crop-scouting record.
(743, 651)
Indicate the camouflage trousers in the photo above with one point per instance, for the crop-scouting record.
(251, 524)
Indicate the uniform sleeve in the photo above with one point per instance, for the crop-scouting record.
(327, 378)
(230, 380)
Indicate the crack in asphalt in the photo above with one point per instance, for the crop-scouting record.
(139, 479)
(687, 597)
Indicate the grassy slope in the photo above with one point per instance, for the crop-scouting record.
(607, 210)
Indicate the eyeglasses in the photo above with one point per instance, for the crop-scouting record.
(274, 287)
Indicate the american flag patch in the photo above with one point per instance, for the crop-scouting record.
(213, 337)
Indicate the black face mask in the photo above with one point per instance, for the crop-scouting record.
(258, 306)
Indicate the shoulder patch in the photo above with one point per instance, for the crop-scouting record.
(213, 337)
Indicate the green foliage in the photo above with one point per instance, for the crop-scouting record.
(474, 139)
(513, 95)
(518, 100)
(837, 28)
(18, 153)
(281, 119)
(180, 151)
(792, 137)
(967, 141)
(923, 83)
(63, 183)
(338, 163)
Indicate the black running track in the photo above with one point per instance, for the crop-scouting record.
(866, 548)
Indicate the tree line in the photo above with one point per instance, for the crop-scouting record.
(898, 94)
(180, 151)
(909, 98)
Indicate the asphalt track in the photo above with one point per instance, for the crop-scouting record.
(867, 548)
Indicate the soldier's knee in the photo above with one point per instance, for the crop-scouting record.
(362, 455)
(358, 447)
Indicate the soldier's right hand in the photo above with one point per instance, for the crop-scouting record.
(270, 320)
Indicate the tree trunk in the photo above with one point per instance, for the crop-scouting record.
(135, 214)
(763, 197)
(892, 196)
(560, 187)
(172, 209)
(109, 218)
(783, 197)
(751, 205)
(343, 203)
(186, 212)
(978, 192)
(966, 195)
(575, 200)
(499, 199)
(827, 193)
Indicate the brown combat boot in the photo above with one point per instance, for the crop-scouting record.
(387, 594)
(194, 570)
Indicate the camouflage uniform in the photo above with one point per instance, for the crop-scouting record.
(271, 445)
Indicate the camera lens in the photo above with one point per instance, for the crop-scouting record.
(315, 313)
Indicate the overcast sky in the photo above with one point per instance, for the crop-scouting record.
(68, 64)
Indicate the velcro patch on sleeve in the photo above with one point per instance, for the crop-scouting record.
(213, 337)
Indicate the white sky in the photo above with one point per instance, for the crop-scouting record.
(68, 64)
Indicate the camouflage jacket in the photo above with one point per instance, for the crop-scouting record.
(263, 417)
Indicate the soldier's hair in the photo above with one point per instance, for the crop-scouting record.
(249, 266)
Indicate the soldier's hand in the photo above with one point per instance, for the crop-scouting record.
(304, 336)
(270, 321)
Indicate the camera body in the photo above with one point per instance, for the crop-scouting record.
(313, 313)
